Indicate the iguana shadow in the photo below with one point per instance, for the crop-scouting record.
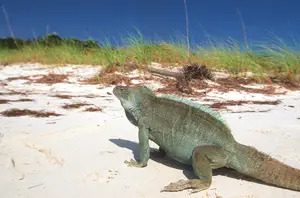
(187, 170)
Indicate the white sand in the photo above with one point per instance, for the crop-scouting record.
(82, 154)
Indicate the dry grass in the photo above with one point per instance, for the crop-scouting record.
(93, 109)
(223, 105)
(27, 112)
(5, 101)
(51, 78)
(74, 105)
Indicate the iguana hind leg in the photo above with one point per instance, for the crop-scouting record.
(204, 159)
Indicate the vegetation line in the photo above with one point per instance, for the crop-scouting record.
(275, 60)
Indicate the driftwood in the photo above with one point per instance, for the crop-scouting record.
(182, 84)
(185, 75)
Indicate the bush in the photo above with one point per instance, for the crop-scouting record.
(51, 40)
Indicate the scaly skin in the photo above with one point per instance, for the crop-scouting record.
(193, 136)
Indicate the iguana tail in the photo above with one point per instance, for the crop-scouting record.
(251, 162)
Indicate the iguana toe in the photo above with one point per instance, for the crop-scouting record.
(195, 184)
(177, 186)
(133, 163)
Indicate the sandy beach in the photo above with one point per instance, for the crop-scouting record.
(80, 151)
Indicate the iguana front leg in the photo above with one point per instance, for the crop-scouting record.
(144, 148)
(204, 158)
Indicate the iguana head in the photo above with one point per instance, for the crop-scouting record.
(131, 97)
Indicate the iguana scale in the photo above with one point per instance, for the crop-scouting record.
(193, 134)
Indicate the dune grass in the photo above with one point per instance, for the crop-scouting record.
(262, 60)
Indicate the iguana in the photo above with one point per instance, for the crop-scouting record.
(193, 134)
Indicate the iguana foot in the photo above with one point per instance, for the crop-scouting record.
(133, 163)
(176, 186)
(195, 184)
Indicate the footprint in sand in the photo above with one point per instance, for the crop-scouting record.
(102, 178)
(53, 159)
(112, 175)
(94, 177)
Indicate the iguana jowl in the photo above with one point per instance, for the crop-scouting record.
(193, 134)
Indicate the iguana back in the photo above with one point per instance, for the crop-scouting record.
(179, 128)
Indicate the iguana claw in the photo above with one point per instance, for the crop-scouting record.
(133, 163)
(176, 186)
(196, 185)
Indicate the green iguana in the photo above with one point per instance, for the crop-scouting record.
(193, 134)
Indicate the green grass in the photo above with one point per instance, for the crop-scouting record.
(275, 58)
(263, 60)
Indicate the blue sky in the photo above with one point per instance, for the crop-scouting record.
(156, 19)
